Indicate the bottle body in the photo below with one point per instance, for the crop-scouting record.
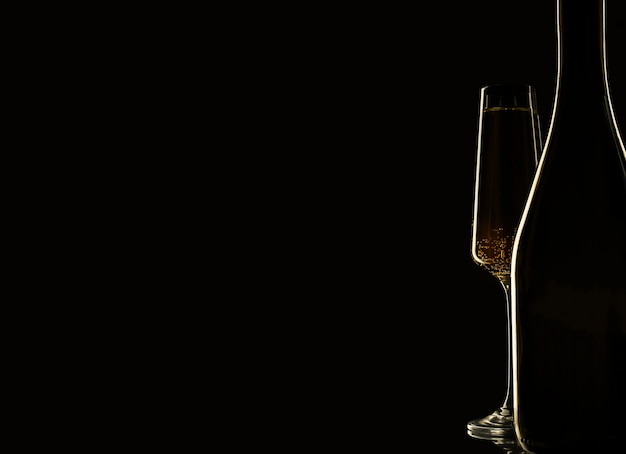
(569, 258)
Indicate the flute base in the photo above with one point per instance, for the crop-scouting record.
(496, 426)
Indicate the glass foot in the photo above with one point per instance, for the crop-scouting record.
(497, 425)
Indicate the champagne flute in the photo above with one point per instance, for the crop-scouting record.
(508, 148)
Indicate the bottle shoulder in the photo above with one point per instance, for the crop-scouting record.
(584, 136)
(577, 203)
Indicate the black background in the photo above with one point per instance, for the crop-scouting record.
(419, 345)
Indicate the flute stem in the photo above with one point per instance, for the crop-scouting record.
(507, 408)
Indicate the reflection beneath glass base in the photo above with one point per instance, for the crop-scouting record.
(510, 446)
(496, 426)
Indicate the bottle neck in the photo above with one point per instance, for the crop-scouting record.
(581, 41)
